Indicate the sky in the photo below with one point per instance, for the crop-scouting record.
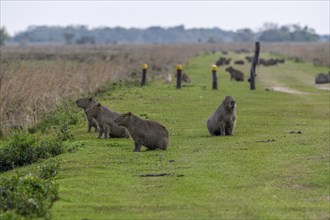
(17, 16)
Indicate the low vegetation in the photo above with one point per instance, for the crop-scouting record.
(31, 195)
(275, 166)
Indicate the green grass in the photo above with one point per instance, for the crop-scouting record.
(275, 166)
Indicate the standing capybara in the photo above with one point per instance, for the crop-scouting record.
(235, 74)
(146, 133)
(105, 118)
(223, 120)
(86, 103)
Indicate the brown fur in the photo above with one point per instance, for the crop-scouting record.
(146, 133)
(185, 78)
(105, 118)
(235, 74)
(86, 103)
(223, 120)
(322, 78)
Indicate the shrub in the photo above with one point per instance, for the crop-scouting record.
(30, 195)
(48, 148)
(19, 151)
(64, 133)
(23, 149)
(49, 170)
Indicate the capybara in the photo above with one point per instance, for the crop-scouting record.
(146, 133)
(223, 120)
(105, 118)
(222, 61)
(239, 62)
(86, 103)
(235, 74)
(185, 78)
(322, 78)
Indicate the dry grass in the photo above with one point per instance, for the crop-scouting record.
(34, 79)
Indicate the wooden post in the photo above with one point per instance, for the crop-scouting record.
(214, 77)
(144, 74)
(253, 67)
(178, 76)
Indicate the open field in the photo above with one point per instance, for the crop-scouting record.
(34, 79)
(275, 166)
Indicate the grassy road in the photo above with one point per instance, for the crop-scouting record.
(275, 166)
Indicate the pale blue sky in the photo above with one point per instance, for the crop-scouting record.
(228, 15)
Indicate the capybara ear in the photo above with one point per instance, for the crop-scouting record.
(129, 113)
(90, 99)
(99, 104)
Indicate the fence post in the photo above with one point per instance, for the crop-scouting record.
(214, 77)
(253, 67)
(144, 74)
(178, 76)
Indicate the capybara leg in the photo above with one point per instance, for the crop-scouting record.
(137, 147)
(89, 128)
(106, 132)
(222, 130)
(100, 132)
(229, 131)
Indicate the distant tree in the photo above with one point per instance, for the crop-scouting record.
(244, 35)
(294, 33)
(214, 40)
(86, 40)
(3, 36)
(68, 36)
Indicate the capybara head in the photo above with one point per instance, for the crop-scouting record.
(229, 103)
(124, 119)
(94, 111)
(229, 69)
(85, 103)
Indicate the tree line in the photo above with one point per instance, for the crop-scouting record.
(81, 34)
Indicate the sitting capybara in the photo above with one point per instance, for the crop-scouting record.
(105, 118)
(223, 120)
(235, 74)
(185, 78)
(322, 78)
(146, 133)
(86, 103)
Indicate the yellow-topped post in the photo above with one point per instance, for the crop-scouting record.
(214, 77)
(178, 76)
(144, 74)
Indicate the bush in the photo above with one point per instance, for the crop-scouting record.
(48, 171)
(63, 116)
(65, 133)
(18, 152)
(49, 148)
(30, 195)
(23, 149)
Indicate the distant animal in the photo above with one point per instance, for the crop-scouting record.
(242, 50)
(150, 134)
(86, 103)
(270, 62)
(185, 78)
(322, 78)
(105, 118)
(239, 62)
(249, 59)
(223, 120)
(235, 74)
(223, 61)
